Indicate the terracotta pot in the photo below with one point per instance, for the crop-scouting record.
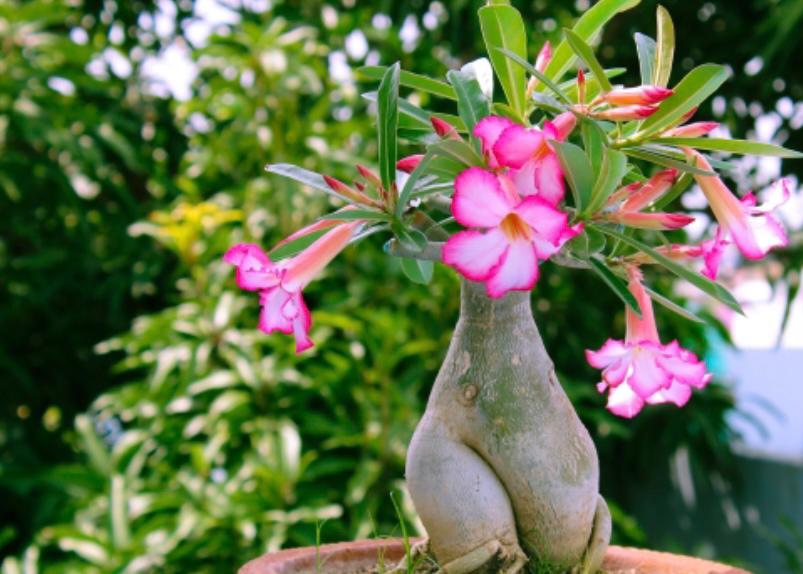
(361, 556)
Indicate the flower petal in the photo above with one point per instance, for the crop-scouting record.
(647, 377)
(474, 254)
(517, 145)
(517, 272)
(488, 130)
(677, 393)
(247, 254)
(612, 350)
(549, 179)
(272, 317)
(623, 402)
(479, 200)
(549, 222)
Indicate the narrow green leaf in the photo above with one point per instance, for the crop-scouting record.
(411, 80)
(295, 246)
(417, 271)
(472, 105)
(304, 176)
(745, 147)
(118, 509)
(523, 63)
(614, 168)
(457, 150)
(665, 48)
(409, 185)
(503, 28)
(594, 140)
(672, 306)
(645, 46)
(692, 90)
(445, 167)
(356, 214)
(704, 284)
(615, 283)
(387, 124)
(587, 28)
(664, 160)
(577, 170)
(421, 116)
(586, 54)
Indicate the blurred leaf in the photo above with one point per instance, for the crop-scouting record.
(664, 49)
(732, 146)
(387, 123)
(645, 46)
(411, 80)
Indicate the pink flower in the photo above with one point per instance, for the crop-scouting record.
(526, 152)
(280, 284)
(515, 234)
(626, 113)
(695, 130)
(443, 128)
(628, 202)
(640, 96)
(754, 229)
(640, 369)
(710, 251)
(541, 62)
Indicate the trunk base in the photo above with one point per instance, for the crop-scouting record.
(381, 556)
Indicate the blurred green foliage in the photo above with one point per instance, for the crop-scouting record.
(192, 442)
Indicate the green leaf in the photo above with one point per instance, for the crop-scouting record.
(421, 116)
(458, 150)
(645, 46)
(523, 63)
(614, 168)
(586, 54)
(409, 185)
(118, 509)
(664, 49)
(672, 306)
(594, 140)
(577, 170)
(417, 271)
(295, 246)
(663, 160)
(445, 167)
(472, 105)
(503, 28)
(704, 284)
(746, 147)
(411, 80)
(615, 283)
(587, 27)
(387, 124)
(356, 214)
(692, 90)
(301, 175)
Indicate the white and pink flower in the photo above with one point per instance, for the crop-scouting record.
(753, 228)
(526, 152)
(280, 284)
(641, 370)
(509, 234)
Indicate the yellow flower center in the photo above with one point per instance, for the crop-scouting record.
(515, 228)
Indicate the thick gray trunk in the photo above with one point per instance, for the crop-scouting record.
(500, 462)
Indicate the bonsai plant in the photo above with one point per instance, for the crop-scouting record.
(578, 172)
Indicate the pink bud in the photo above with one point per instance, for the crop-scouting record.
(369, 175)
(564, 124)
(626, 113)
(642, 95)
(409, 163)
(581, 86)
(688, 115)
(544, 57)
(443, 129)
(349, 193)
(694, 130)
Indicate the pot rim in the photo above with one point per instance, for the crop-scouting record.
(352, 557)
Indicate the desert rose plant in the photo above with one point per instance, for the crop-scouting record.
(579, 172)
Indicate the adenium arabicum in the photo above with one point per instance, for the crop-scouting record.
(501, 175)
